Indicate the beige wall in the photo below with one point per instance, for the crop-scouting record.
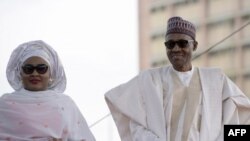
(246, 54)
(246, 89)
(218, 31)
(222, 7)
(158, 49)
(246, 4)
(189, 11)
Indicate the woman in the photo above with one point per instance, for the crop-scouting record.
(38, 109)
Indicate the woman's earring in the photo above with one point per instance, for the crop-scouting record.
(50, 81)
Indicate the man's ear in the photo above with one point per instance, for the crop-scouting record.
(195, 45)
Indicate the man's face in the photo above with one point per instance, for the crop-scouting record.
(179, 51)
(38, 79)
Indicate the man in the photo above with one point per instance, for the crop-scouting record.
(179, 102)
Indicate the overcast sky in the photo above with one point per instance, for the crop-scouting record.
(97, 41)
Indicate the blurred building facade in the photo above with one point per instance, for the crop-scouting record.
(215, 20)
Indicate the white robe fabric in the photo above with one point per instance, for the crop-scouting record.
(138, 111)
(41, 116)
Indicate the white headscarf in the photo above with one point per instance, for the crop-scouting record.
(41, 49)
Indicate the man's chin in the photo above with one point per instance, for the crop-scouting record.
(178, 65)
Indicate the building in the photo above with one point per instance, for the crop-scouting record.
(215, 20)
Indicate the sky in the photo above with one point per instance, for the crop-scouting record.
(97, 42)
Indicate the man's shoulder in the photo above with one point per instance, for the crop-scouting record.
(211, 73)
(154, 75)
(211, 69)
(156, 70)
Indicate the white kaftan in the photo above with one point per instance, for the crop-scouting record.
(142, 107)
(40, 116)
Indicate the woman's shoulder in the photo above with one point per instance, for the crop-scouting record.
(3, 96)
(65, 96)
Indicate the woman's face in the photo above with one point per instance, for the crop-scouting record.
(35, 74)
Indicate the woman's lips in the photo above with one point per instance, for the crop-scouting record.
(34, 81)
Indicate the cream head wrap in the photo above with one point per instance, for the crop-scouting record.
(40, 49)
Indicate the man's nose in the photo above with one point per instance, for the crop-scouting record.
(176, 47)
